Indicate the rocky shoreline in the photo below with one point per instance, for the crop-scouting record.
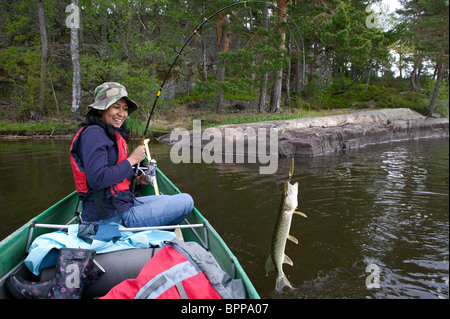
(306, 137)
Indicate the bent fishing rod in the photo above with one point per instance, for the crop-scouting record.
(194, 33)
(144, 140)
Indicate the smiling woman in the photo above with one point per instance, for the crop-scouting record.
(102, 168)
(109, 93)
(116, 113)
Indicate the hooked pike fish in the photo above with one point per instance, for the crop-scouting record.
(277, 255)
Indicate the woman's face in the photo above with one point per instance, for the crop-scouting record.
(116, 113)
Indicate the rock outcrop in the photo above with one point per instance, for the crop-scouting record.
(322, 135)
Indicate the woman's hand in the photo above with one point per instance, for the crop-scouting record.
(142, 180)
(137, 156)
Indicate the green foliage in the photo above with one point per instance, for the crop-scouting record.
(138, 81)
(22, 67)
(414, 101)
(136, 126)
(429, 84)
(37, 128)
(135, 42)
(331, 97)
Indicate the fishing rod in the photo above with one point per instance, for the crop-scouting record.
(144, 140)
(195, 32)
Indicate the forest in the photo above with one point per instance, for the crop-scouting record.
(255, 57)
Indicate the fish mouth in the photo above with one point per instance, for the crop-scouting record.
(292, 189)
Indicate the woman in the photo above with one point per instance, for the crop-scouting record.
(102, 167)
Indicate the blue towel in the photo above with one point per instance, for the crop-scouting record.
(88, 232)
(107, 232)
(44, 249)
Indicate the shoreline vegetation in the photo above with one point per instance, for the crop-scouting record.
(239, 109)
(159, 125)
(162, 124)
(246, 66)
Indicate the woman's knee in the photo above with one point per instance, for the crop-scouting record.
(186, 201)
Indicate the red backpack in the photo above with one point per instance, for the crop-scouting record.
(173, 274)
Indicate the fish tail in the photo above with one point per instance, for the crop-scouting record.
(282, 282)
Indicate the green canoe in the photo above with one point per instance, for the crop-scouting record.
(13, 248)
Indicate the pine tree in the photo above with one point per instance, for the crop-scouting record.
(435, 25)
(428, 31)
(275, 98)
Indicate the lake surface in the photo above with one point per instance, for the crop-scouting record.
(383, 208)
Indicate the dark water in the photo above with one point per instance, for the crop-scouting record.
(386, 206)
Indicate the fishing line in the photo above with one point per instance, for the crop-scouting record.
(143, 141)
(196, 32)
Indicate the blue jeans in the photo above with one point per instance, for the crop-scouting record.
(155, 210)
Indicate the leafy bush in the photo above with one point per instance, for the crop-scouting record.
(412, 100)
(22, 66)
(336, 96)
(141, 85)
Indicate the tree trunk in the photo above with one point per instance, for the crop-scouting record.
(315, 53)
(44, 57)
(204, 65)
(263, 87)
(287, 97)
(440, 76)
(412, 79)
(220, 77)
(298, 78)
(275, 99)
(298, 71)
(76, 79)
(441, 70)
(223, 41)
(368, 79)
(419, 73)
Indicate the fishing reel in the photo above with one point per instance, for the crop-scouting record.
(147, 170)
(150, 171)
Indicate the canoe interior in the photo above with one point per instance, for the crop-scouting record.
(12, 248)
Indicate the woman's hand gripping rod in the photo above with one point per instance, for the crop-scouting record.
(150, 174)
(151, 167)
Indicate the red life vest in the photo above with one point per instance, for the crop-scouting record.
(168, 275)
(79, 174)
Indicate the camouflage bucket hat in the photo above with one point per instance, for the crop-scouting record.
(109, 93)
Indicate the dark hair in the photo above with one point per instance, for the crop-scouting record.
(93, 117)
